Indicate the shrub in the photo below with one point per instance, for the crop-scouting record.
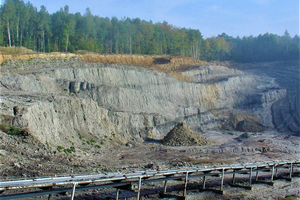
(245, 136)
(80, 136)
(13, 130)
(60, 148)
(70, 150)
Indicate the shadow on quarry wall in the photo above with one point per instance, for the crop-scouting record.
(286, 111)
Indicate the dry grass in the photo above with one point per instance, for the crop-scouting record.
(171, 65)
(117, 58)
(84, 52)
(15, 51)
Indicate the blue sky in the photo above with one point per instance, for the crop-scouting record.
(211, 17)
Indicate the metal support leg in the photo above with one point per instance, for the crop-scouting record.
(204, 180)
(233, 177)
(185, 184)
(73, 191)
(256, 177)
(117, 194)
(49, 196)
(273, 170)
(165, 187)
(250, 177)
(139, 188)
(291, 171)
(222, 180)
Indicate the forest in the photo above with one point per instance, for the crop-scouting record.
(22, 24)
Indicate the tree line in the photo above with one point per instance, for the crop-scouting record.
(24, 25)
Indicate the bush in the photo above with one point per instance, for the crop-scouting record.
(60, 148)
(70, 150)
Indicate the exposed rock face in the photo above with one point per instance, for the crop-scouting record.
(124, 103)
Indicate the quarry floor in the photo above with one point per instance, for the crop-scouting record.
(24, 157)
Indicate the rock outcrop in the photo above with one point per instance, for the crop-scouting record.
(62, 103)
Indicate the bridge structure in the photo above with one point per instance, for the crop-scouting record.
(133, 181)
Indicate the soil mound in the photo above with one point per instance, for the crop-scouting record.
(182, 135)
(250, 125)
(243, 123)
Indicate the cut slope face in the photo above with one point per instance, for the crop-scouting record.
(182, 135)
(60, 103)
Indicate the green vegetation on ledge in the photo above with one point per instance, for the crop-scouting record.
(13, 130)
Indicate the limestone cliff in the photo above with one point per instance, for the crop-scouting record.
(62, 103)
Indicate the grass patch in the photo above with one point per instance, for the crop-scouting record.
(291, 196)
(60, 148)
(13, 130)
(84, 52)
(245, 136)
(91, 141)
(242, 195)
(80, 136)
(68, 150)
(48, 145)
(15, 51)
